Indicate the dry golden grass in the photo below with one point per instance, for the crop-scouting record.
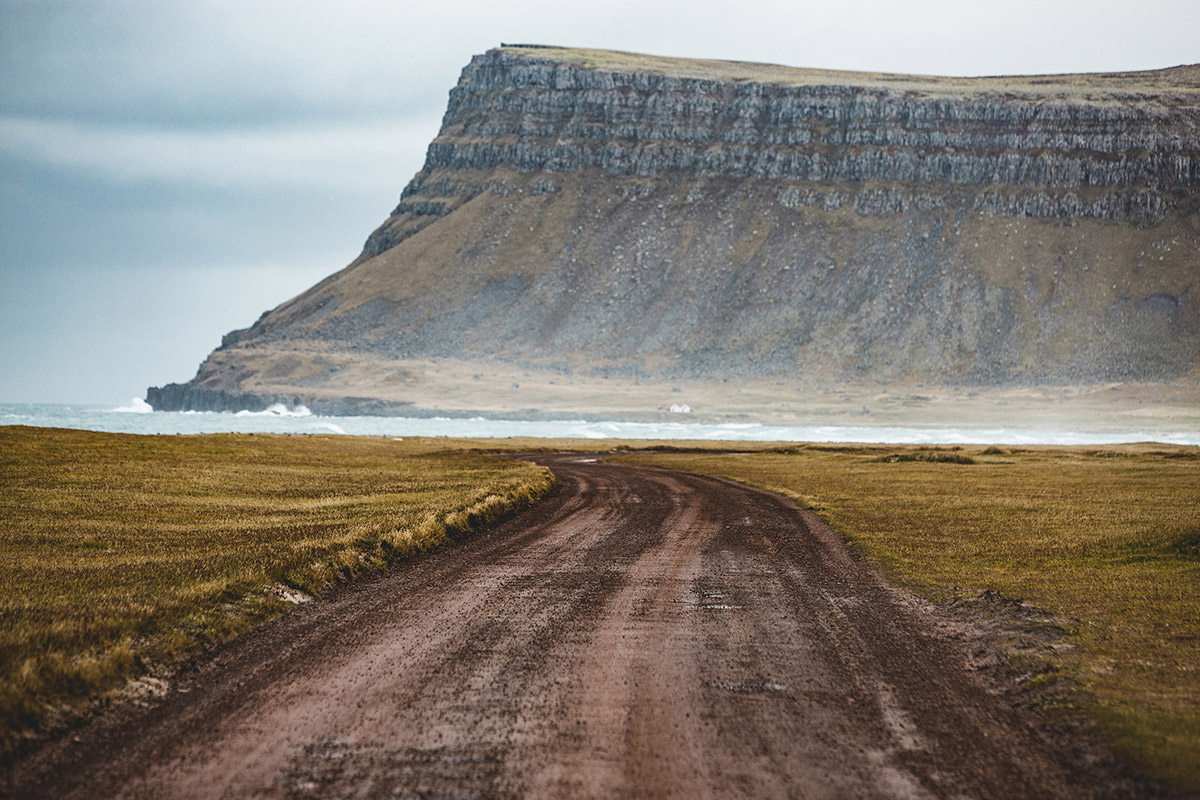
(121, 551)
(1110, 538)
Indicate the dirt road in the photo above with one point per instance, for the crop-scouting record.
(639, 633)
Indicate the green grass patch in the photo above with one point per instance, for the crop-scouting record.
(928, 458)
(125, 551)
(1107, 537)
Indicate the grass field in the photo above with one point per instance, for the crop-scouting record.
(121, 552)
(1107, 540)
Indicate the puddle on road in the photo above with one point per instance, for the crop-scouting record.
(748, 687)
(707, 600)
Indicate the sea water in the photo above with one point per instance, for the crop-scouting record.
(140, 418)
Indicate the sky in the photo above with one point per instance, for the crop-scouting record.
(170, 170)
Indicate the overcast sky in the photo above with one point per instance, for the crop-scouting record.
(168, 170)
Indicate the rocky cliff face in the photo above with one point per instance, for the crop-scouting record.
(606, 213)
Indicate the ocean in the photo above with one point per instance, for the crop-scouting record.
(139, 418)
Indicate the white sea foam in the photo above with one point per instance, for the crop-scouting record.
(277, 410)
(136, 406)
(279, 419)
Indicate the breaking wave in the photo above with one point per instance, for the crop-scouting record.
(136, 406)
(277, 410)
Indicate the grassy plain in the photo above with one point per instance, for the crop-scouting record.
(125, 551)
(1108, 540)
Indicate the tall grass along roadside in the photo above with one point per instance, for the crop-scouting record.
(122, 552)
(1106, 539)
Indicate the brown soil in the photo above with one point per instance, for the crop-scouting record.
(639, 633)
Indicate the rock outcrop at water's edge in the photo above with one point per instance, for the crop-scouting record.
(609, 214)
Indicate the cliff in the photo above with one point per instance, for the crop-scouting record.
(617, 215)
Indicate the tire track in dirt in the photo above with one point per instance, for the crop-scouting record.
(639, 633)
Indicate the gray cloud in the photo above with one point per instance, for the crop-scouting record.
(61, 219)
(331, 157)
